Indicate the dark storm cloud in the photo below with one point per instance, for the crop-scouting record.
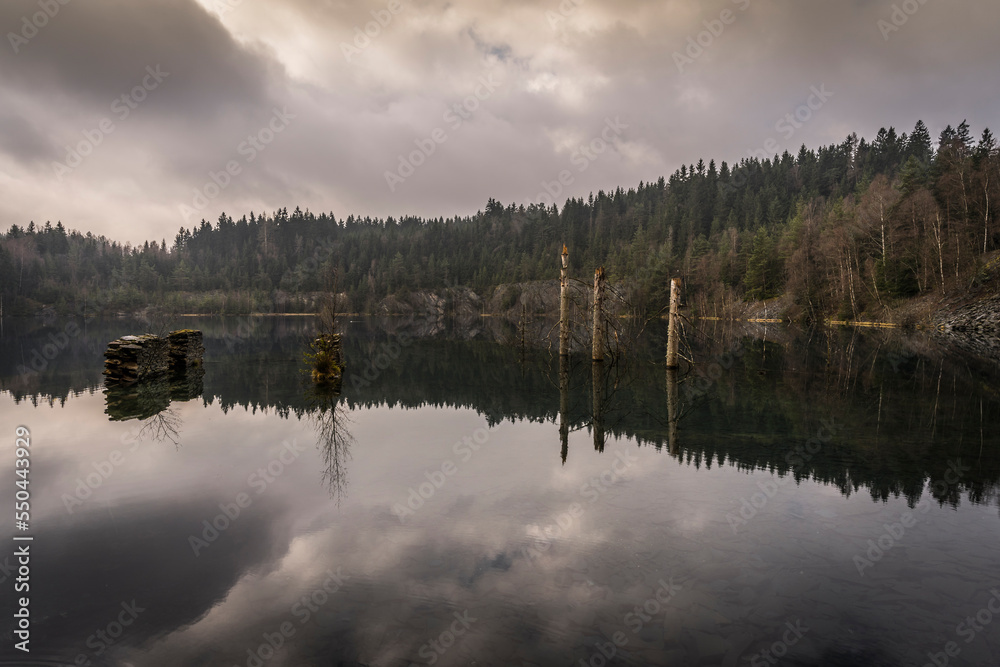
(149, 571)
(93, 52)
(368, 83)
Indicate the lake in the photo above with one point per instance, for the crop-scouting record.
(799, 497)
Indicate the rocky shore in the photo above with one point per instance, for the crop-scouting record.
(981, 316)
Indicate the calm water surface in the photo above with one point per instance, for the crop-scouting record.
(803, 498)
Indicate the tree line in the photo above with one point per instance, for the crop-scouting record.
(848, 230)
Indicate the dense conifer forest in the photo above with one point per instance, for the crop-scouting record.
(849, 231)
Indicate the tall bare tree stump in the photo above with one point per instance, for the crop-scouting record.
(673, 414)
(597, 383)
(564, 304)
(673, 333)
(564, 405)
(598, 336)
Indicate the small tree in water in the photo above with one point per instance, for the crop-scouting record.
(325, 354)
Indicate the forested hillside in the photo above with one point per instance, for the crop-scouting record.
(848, 230)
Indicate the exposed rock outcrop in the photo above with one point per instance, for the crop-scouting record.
(459, 302)
(982, 316)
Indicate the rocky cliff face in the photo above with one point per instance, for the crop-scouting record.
(966, 313)
(534, 298)
(458, 302)
(511, 300)
(982, 316)
(977, 309)
(521, 314)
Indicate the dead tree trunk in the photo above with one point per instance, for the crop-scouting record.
(564, 304)
(598, 337)
(564, 405)
(673, 333)
(597, 382)
(672, 412)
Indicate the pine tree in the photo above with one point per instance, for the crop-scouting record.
(919, 145)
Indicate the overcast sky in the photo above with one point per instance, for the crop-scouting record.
(115, 114)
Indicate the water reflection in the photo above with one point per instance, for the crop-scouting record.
(147, 398)
(164, 425)
(598, 390)
(673, 412)
(334, 439)
(907, 402)
(551, 552)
